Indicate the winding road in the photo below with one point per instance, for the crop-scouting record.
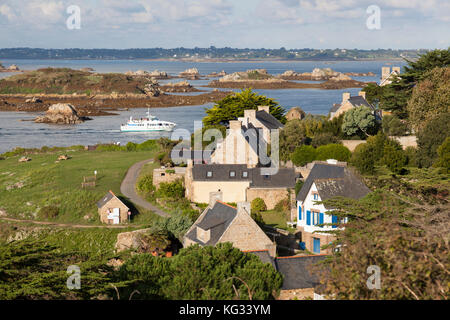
(128, 189)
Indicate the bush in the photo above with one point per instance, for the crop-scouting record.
(430, 138)
(303, 155)
(411, 156)
(298, 186)
(324, 138)
(258, 205)
(363, 158)
(176, 226)
(48, 212)
(258, 218)
(131, 146)
(145, 185)
(393, 126)
(333, 151)
(444, 156)
(394, 159)
(283, 205)
(172, 190)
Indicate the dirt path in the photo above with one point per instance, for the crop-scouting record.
(66, 225)
(128, 189)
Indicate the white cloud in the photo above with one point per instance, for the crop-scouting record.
(7, 12)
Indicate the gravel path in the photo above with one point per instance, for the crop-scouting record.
(128, 189)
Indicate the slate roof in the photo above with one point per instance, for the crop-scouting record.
(217, 219)
(333, 180)
(106, 199)
(264, 256)
(335, 107)
(297, 271)
(360, 101)
(285, 178)
(268, 120)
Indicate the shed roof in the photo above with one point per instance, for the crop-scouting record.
(107, 198)
(297, 271)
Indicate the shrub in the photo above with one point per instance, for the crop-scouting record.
(333, 151)
(324, 138)
(48, 212)
(303, 155)
(359, 121)
(393, 126)
(283, 205)
(173, 190)
(430, 138)
(145, 185)
(176, 226)
(131, 146)
(411, 156)
(258, 205)
(444, 156)
(298, 186)
(258, 218)
(363, 158)
(394, 159)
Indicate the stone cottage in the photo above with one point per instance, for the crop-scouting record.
(325, 181)
(221, 223)
(112, 210)
(350, 102)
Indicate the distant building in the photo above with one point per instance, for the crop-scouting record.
(295, 113)
(387, 75)
(350, 102)
(220, 223)
(324, 182)
(112, 210)
(238, 183)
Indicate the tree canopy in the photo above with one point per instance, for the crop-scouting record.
(233, 106)
(359, 120)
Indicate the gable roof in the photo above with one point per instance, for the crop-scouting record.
(108, 197)
(357, 101)
(268, 120)
(216, 219)
(297, 271)
(264, 256)
(332, 181)
(335, 107)
(285, 178)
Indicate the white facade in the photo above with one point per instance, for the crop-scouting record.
(317, 213)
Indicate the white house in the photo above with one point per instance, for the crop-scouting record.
(326, 180)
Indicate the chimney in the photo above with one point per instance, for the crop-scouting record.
(385, 72)
(345, 97)
(244, 207)
(362, 94)
(396, 69)
(235, 125)
(264, 108)
(214, 197)
(250, 114)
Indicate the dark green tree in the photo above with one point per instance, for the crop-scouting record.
(333, 151)
(430, 138)
(303, 155)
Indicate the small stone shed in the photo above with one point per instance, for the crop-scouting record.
(112, 210)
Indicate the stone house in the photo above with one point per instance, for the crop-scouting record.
(112, 210)
(238, 183)
(350, 102)
(295, 113)
(387, 74)
(220, 223)
(247, 138)
(324, 182)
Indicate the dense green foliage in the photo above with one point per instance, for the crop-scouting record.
(324, 138)
(201, 274)
(359, 121)
(362, 158)
(394, 158)
(444, 156)
(303, 155)
(233, 106)
(393, 126)
(173, 190)
(175, 226)
(258, 205)
(48, 212)
(333, 151)
(430, 138)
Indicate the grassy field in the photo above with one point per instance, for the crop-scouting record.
(43, 182)
(275, 219)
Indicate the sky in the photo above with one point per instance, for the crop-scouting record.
(319, 24)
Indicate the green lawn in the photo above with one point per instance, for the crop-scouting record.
(275, 219)
(59, 184)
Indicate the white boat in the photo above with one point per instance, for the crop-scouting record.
(151, 123)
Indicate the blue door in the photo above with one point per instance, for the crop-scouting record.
(334, 220)
(316, 245)
(308, 218)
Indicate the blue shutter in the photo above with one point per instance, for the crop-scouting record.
(299, 213)
(321, 218)
(308, 218)
(334, 220)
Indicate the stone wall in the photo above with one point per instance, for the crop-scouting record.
(160, 176)
(406, 141)
(113, 203)
(270, 196)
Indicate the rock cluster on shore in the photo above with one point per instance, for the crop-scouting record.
(11, 68)
(153, 74)
(61, 113)
(249, 75)
(316, 75)
(192, 74)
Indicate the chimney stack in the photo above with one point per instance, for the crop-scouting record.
(264, 108)
(235, 125)
(362, 94)
(250, 114)
(396, 69)
(385, 72)
(244, 207)
(345, 97)
(214, 197)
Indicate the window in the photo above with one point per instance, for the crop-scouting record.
(316, 217)
(315, 196)
(245, 174)
(232, 174)
(209, 174)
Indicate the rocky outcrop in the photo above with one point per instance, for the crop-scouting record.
(87, 69)
(33, 100)
(324, 74)
(152, 89)
(249, 75)
(156, 74)
(316, 75)
(182, 86)
(129, 240)
(61, 113)
(13, 67)
(190, 74)
(341, 77)
(217, 74)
